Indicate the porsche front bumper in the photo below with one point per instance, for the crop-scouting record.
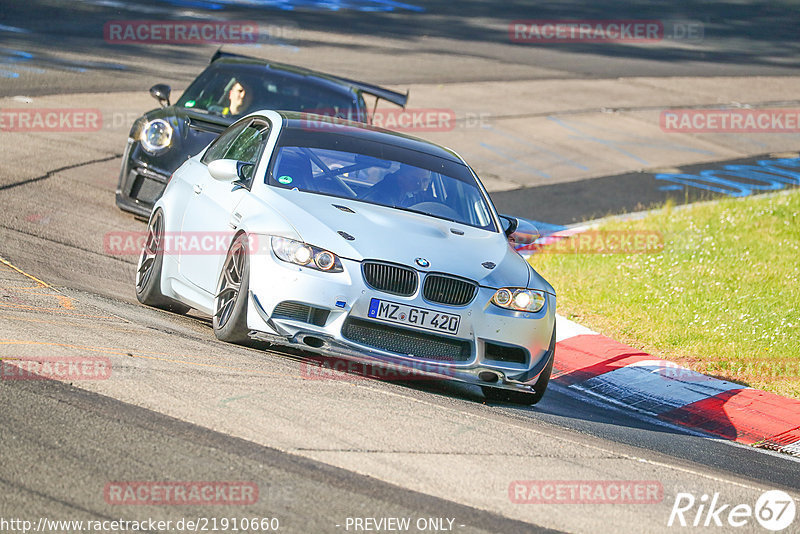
(140, 183)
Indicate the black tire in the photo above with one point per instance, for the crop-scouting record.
(230, 302)
(148, 270)
(523, 397)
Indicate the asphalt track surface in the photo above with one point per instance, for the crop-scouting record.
(595, 198)
(182, 406)
(436, 44)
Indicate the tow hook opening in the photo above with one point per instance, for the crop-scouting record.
(314, 342)
(488, 376)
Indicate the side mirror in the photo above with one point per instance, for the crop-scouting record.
(160, 92)
(230, 170)
(509, 224)
(520, 232)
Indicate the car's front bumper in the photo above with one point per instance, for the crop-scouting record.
(344, 300)
(140, 183)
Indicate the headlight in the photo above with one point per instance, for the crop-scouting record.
(156, 135)
(528, 300)
(137, 127)
(306, 255)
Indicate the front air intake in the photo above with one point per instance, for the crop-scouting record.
(297, 311)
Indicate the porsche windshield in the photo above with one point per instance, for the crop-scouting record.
(235, 90)
(382, 174)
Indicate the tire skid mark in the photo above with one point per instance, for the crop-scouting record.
(50, 174)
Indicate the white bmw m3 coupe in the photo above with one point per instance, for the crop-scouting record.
(354, 242)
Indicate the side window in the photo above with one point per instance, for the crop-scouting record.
(219, 147)
(244, 142)
(362, 108)
(247, 147)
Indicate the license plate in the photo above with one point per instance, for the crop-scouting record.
(392, 312)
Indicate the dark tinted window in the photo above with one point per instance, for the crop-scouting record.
(382, 174)
(265, 89)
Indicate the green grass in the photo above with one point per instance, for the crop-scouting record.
(722, 297)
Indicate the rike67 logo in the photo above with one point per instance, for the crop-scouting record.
(774, 510)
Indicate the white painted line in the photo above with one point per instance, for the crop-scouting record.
(793, 448)
(611, 404)
(650, 386)
(566, 329)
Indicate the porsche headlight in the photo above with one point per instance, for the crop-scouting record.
(156, 135)
(137, 127)
(529, 300)
(300, 253)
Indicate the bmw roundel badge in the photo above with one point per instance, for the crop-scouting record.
(422, 262)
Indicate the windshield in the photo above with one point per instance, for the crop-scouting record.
(235, 90)
(384, 175)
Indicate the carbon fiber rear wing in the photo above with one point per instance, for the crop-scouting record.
(380, 93)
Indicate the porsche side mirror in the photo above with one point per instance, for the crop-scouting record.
(160, 92)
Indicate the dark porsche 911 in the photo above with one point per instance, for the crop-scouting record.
(230, 87)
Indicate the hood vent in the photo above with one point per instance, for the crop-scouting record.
(342, 208)
(205, 126)
(346, 235)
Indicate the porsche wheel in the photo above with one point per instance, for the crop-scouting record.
(148, 270)
(230, 304)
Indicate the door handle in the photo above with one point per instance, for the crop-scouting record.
(197, 189)
(235, 220)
